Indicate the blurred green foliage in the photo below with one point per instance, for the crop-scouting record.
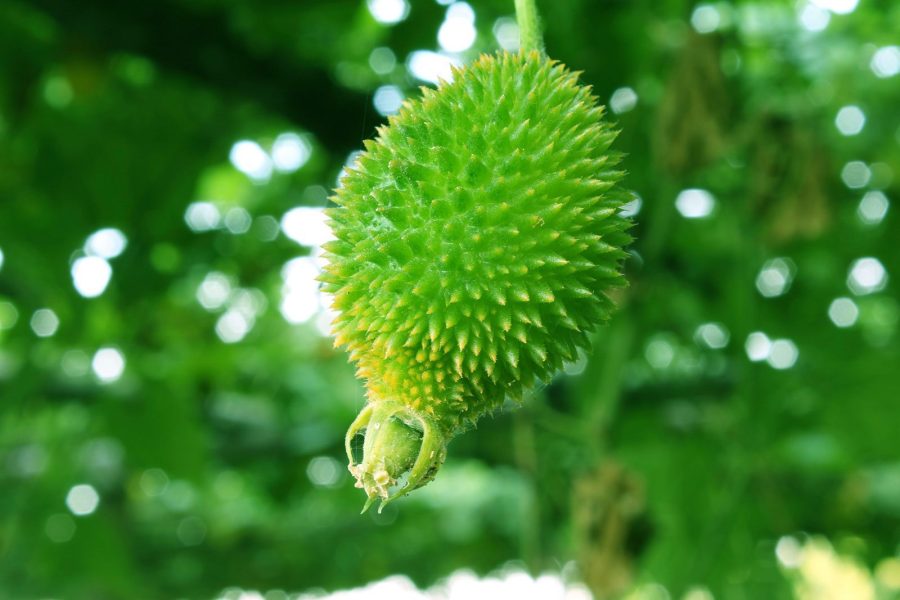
(668, 456)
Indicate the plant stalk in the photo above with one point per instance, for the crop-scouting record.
(530, 36)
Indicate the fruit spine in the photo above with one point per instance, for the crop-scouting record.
(477, 239)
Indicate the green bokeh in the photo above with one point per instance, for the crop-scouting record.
(217, 452)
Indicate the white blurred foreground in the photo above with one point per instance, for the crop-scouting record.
(461, 585)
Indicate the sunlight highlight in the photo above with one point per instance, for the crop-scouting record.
(705, 18)
(387, 100)
(91, 275)
(886, 62)
(108, 364)
(758, 346)
(873, 208)
(695, 203)
(506, 32)
(290, 152)
(307, 225)
(214, 290)
(775, 277)
(460, 585)
(202, 216)
(301, 299)
(457, 33)
(382, 60)
(432, 67)
(106, 243)
(233, 326)
(623, 100)
(82, 500)
(843, 312)
(712, 335)
(44, 322)
(388, 12)
(838, 7)
(856, 174)
(249, 158)
(850, 120)
(867, 275)
(8, 315)
(814, 18)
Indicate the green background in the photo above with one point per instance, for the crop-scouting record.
(666, 458)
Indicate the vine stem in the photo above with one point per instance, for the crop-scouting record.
(530, 37)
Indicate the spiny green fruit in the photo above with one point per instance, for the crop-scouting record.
(477, 239)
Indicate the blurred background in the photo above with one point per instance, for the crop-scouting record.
(173, 410)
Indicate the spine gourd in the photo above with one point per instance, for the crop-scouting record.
(476, 241)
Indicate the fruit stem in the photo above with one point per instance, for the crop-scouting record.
(530, 37)
(402, 451)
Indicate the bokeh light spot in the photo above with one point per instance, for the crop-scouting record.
(506, 32)
(856, 174)
(712, 335)
(888, 573)
(775, 277)
(623, 100)
(850, 120)
(814, 18)
(266, 228)
(783, 354)
(695, 203)
(60, 528)
(154, 482)
(867, 275)
(238, 220)
(698, 593)
(233, 326)
(843, 312)
(75, 363)
(387, 100)
(202, 216)
(873, 208)
(457, 33)
(839, 7)
(659, 353)
(301, 299)
(758, 346)
(306, 225)
(91, 275)
(58, 91)
(382, 60)
(106, 243)
(290, 152)
(214, 290)
(388, 12)
(108, 364)
(191, 531)
(633, 207)
(882, 175)
(788, 552)
(705, 18)
(44, 322)
(8, 315)
(886, 62)
(432, 67)
(324, 471)
(82, 499)
(179, 495)
(249, 158)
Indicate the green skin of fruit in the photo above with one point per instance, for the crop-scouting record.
(477, 239)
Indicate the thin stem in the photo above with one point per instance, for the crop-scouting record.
(530, 37)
